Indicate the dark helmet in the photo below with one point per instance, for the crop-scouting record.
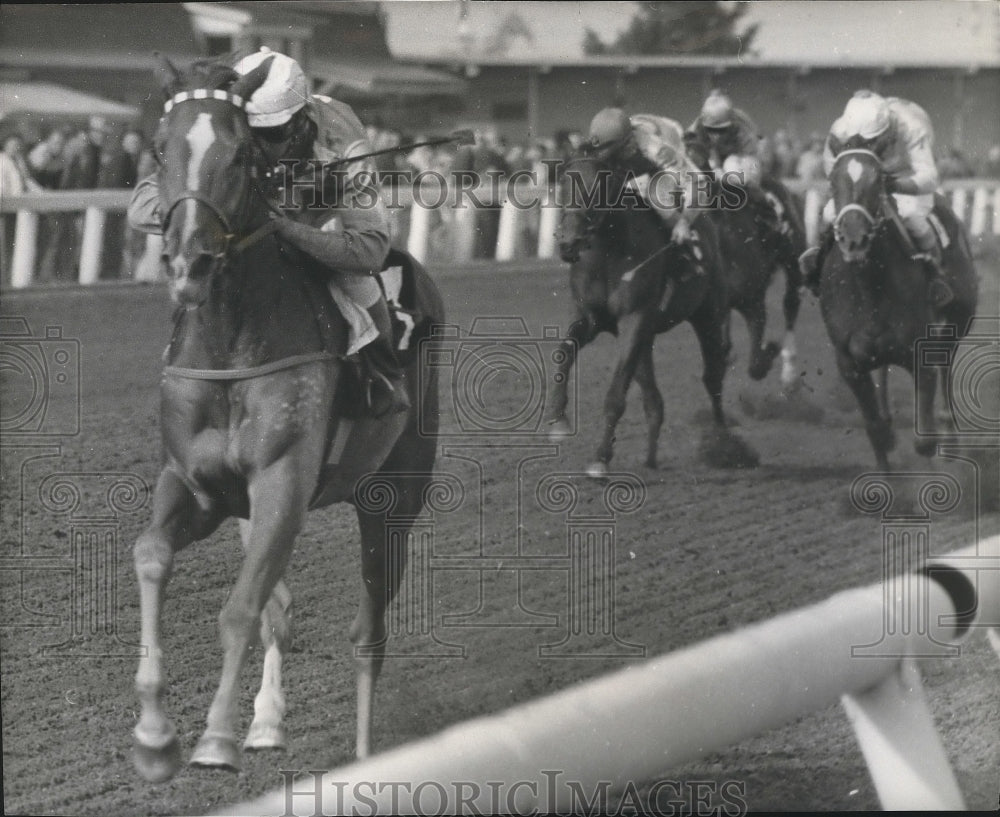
(610, 125)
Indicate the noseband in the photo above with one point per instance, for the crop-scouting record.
(873, 220)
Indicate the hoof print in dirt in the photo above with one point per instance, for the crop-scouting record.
(720, 448)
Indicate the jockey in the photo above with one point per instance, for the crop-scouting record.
(652, 148)
(724, 139)
(352, 242)
(899, 132)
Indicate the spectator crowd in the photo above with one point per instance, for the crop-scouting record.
(102, 155)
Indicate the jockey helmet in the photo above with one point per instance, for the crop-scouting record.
(866, 114)
(284, 92)
(717, 112)
(608, 126)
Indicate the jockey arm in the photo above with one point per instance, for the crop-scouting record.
(144, 208)
(923, 176)
(359, 247)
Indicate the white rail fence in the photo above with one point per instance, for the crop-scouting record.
(860, 647)
(503, 229)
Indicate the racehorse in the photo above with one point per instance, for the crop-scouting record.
(750, 262)
(249, 422)
(874, 295)
(619, 250)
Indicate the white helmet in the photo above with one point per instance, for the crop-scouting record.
(284, 92)
(866, 114)
(717, 112)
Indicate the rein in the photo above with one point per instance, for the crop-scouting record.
(266, 229)
(250, 372)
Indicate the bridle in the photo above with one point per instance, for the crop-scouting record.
(230, 233)
(874, 221)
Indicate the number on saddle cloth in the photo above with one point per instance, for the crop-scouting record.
(397, 282)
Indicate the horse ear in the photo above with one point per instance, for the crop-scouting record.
(166, 74)
(836, 146)
(248, 83)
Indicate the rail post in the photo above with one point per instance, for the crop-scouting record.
(22, 265)
(508, 230)
(548, 223)
(92, 245)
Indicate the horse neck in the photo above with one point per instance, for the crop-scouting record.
(885, 280)
(257, 311)
(629, 235)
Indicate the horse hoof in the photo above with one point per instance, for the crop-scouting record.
(559, 429)
(597, 470)
(216, 752)
(157, 765)
(763, 361)
(266, 736)
(925, 448)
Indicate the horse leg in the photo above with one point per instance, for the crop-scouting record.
(178, 520)
(631, 345)
(762, 354)
(790, 308)
(279, 494)
(926, 380)
(878, 427)
(714, 342)
(652, 403)
(581, 332)
(882, 393)
(267, 730)
(360, 446)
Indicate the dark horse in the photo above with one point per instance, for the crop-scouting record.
(751, 256)
(619, 252)
(249, 422)
(874, 295)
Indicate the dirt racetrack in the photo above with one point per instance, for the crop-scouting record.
(709, 550)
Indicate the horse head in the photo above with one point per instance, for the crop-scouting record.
(856, 182)
(585, 193)
(208, 166)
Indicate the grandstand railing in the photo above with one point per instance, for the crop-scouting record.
(860, 647)
(512, 231)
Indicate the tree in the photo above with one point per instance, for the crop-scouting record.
(699, 27)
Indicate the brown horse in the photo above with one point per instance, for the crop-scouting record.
(874, 296)
(249, 422)
(627, 278)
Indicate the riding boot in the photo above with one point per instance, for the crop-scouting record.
(381, 375)
(811, 261)
(939, 291)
